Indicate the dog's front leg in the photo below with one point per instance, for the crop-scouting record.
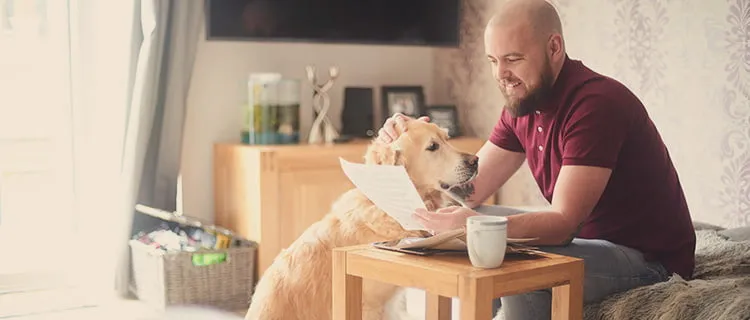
(396, 309)
(376, 299)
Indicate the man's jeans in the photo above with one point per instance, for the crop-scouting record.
(609, 268)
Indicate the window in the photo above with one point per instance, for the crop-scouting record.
(36, 149)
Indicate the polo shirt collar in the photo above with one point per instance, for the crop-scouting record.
(558, 88)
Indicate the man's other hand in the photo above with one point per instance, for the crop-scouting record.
(395, 126)
(445, 219)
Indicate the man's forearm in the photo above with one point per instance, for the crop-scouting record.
(552, 228)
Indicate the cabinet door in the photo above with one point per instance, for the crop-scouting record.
(306, 196)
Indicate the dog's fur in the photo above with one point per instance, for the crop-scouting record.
(298, 283)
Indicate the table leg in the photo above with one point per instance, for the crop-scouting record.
(567, 299)
(347, 290)
(438, 307)
(476, 297)
(479, 308)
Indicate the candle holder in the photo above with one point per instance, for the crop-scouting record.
(322, 129)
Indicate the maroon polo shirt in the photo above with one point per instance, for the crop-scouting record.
(593, 120)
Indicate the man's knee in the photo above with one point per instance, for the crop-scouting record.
(608, 268)
(594, 253)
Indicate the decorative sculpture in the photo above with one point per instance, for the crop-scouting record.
(322, 129)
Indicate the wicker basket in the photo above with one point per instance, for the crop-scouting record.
(163, 279)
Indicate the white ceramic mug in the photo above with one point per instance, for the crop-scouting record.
(486, 240)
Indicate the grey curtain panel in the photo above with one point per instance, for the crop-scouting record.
(163, 56)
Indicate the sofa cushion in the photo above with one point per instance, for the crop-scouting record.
(737, 234)
(698, 225)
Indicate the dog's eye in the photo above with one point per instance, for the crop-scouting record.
(433, 146)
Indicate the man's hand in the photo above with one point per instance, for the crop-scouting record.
(445, 219)
(395, 126)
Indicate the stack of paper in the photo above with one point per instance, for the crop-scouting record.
(389, 188)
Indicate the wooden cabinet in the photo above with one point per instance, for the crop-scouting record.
(271, 194)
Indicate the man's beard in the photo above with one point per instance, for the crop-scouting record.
(535, 96)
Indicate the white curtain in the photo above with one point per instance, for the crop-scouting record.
(133, 61)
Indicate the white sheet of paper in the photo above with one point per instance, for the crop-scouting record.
(389, 188)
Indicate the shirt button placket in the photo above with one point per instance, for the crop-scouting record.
(539, 129)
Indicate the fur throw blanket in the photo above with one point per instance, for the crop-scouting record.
(720, 288)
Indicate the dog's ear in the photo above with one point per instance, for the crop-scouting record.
(380, 153)
(446, 130)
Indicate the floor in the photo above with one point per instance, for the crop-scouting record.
(126, 312)
(58, 305)
(73, 305)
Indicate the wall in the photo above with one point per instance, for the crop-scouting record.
(218, 89)
(684, 58)
(688, 60)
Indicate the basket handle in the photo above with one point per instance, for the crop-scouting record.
(169, 216)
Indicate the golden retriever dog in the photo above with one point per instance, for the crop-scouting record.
(297, 285)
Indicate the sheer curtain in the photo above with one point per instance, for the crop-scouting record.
(104, 45)
(135, 76)
(94, 92)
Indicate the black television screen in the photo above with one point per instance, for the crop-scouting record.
(403, 22)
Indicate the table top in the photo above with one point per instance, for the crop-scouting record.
(445, 271)
(458, 263)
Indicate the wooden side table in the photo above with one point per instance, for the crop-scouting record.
(448, 276)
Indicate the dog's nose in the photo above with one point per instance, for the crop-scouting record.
(471, 160)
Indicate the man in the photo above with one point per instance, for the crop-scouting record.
(616, 200)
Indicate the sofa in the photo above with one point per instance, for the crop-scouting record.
(719, 289)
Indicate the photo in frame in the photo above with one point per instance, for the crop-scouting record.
(445, 116)
(408, 100)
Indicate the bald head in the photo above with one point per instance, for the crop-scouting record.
(524, 45)
(538, 17)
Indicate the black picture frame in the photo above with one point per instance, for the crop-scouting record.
(408, 100)
(445, 116)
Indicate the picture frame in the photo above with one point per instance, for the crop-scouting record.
(445, 116)
(408, 100)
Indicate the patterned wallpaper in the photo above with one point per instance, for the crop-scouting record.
(688, 60)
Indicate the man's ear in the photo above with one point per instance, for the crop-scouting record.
(386, 154)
